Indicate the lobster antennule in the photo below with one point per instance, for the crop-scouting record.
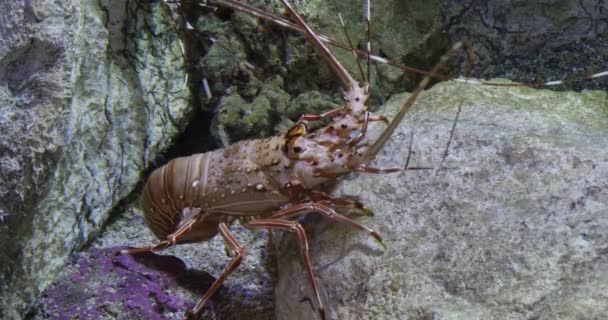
(371, 153)
(346, 79)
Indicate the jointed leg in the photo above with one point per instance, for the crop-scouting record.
(239, 251)
(172, 239)
(365, 168)
(302, 208)
(326, 199)
(293, 226)
(316, 117)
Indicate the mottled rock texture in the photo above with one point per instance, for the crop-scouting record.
(511, 226)
(532, 40)
(90, 91)
(99, 284)
(253, 67)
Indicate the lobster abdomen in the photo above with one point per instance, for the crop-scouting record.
(241, 180)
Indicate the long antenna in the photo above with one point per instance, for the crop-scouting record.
(350, 43)
(258, 13)
(368, 10)
(345, 78)
(386, 134)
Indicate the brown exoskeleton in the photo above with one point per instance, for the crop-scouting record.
(265, 182)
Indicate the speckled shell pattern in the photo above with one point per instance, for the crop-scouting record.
(253, 178)
(247, 179)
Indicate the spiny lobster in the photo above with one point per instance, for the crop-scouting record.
(263, 183)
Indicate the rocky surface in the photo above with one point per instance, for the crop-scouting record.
(255, 66)
(101, 285)
(511, 226)
(89, 94)
(97, 285)
(533, 40)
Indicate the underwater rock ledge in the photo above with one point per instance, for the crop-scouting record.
(513, 227)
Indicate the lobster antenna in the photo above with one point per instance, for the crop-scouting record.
(386, 134)
(350, 43)
(552, 83)
(258, 13)
(368, 9)
(468, 67)
(345, 78)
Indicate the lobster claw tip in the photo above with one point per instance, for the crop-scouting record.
(379, 239)
(381, 243)
(368, 212)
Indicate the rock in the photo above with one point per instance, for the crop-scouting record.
(249, 58)
(238, 119)
(99, 284)
(163, 285)
(532, 40)
(90, 92)
(511, 226)
(518, 40)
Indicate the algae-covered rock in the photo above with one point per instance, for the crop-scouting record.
(247, 52)
(89, 94)
(512, 225)
(97, 284)
(239, 119)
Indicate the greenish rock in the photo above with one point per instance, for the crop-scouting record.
(511, 225)
(247, 53)
(90, 93)
(309, 102)
(239, 119)
(402, 31)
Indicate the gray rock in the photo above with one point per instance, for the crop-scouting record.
(533, 40)
(511, 226)
(89, 94)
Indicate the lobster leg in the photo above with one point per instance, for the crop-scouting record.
(365, 168)
(325, 210)
(378, 118)
(367, 119)
(326, 199)
(316, 117)
(293, 226)
(173, 238)
(239, 251)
